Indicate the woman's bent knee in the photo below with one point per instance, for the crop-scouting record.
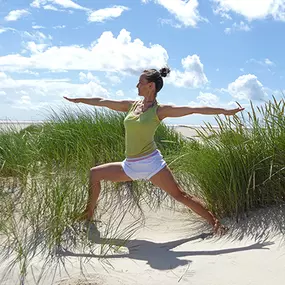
(95, 174)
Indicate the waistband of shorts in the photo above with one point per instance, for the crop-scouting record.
(143, 157)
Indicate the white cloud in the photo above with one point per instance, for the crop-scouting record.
(3, 93)
(247, 87)
(52, 8)
(59, 27)
(37, 3)
(113, 78)
(186, 12)
(37, 42)
(36, 93)
(16, 15)
(36, 36)
(106, 14)
(120, 93)
(67, 4)
(3, 76)
(208, 99)
(268, 62)
(265, 62)
(170, 22)
(253, 9)
(25, 100)
(193, 76)
(4, 29)
(108, 53)
(37, 27)
(242, 26)
(86, 77)
(28, 72)
(212, 100)
(35, 48)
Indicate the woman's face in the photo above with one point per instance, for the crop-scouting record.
(144, 87)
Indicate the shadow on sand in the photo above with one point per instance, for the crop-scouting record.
(158, 255)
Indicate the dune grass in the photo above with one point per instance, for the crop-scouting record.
(45, 169)
(240, 166)
(44, 184)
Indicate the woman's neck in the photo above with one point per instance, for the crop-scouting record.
(147, 101)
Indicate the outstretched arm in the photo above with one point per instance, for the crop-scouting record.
(176, 111)
(117, 105)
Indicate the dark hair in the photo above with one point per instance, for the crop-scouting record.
(153, 75)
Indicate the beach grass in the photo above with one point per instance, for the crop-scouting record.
(44, 183)
(235, 169)
(239, 167)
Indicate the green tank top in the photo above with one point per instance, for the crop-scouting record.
(140, 130)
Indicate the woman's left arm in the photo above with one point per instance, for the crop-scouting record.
(176, 111)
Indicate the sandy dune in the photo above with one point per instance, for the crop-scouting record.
(174, 248)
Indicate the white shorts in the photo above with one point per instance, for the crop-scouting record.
(144, 167)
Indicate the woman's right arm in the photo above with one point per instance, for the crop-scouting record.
(116, 105)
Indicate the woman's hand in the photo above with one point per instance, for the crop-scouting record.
(74, 100)
(232, 112)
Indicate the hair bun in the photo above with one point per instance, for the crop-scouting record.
(164, 71)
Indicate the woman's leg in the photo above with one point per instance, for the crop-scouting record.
(165, 180)
(109, 171)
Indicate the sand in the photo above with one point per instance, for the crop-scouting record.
(175, 248)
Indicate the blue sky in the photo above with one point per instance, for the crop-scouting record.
(219, 51)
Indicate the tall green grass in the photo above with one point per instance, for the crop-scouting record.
(44, 182)
(44, 174)
(240, 166)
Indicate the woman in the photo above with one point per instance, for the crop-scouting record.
(143, 159)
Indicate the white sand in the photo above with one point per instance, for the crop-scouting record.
(170, 249)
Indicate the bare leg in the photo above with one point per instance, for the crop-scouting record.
(109, 171)
(165, 180)
(94, 192)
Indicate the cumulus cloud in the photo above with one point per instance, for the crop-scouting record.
(208, 99)
(253, 9)
(204, 100)
(36, 42)
(86, 77)
(247, 87)
(186, 12)
(114, 79)
(16, 15)
(108, 53)
(212, 100)
(242, 26)
(34, 93)
(106, 14)
(193, 75)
